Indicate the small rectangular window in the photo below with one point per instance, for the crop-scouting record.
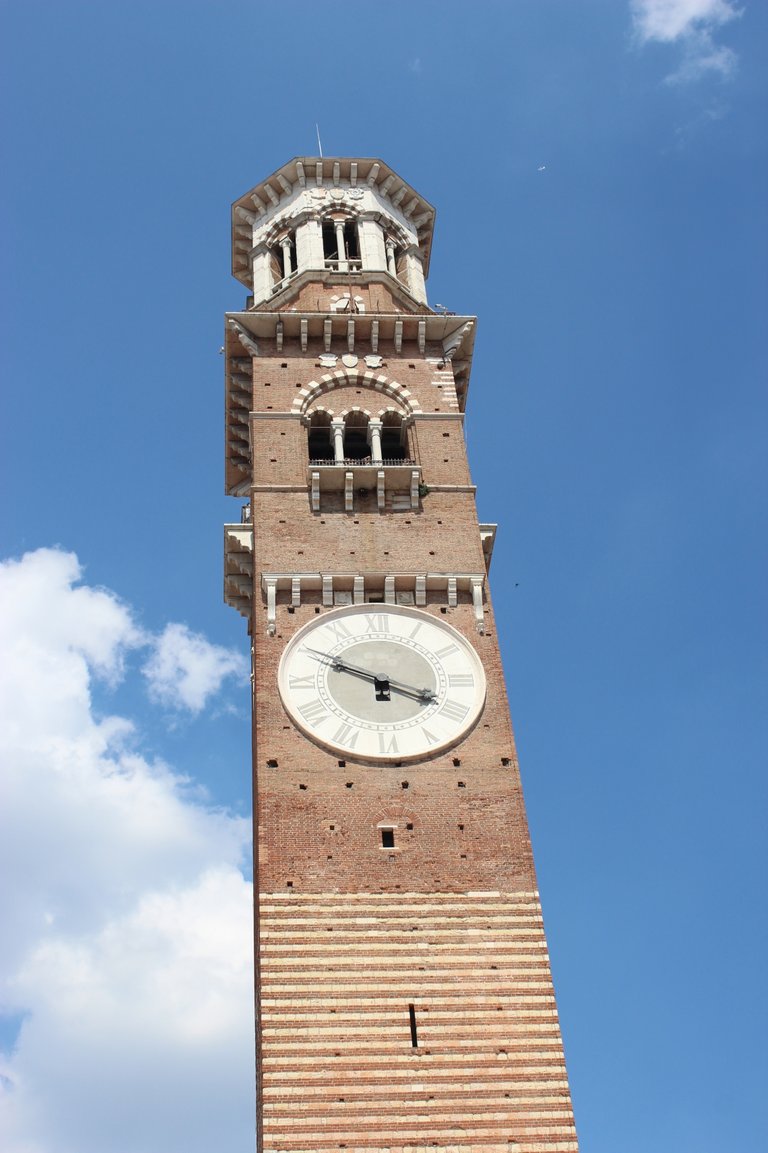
(387, 838)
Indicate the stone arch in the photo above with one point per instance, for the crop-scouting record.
(319, 435)
(394, 435)
(356, 433)
(356, 414)
(366, 377)
(316, 410)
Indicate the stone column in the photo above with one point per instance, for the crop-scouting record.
(285, 244)
(340, 245)
(391, 262)
(374, 439)
(337, 429)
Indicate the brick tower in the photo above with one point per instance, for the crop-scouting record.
(403, 994)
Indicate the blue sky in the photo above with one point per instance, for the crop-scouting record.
(599, 172)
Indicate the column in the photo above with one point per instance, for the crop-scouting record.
(340, 245)
(337, 429)
(285, 244)
(374, 439)
(391, 262)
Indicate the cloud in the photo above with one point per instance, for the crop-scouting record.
(185, 669)
(126, 940)
(691, 24)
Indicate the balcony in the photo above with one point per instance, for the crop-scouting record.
(396, 483)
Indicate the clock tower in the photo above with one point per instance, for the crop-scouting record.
(404, 1000)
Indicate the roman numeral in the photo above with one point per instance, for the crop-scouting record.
(346, 735)
(430, 738)
(454, 711)
(460, 680)
(387, 743)
(314, 712)
(339, 630)
(446, 652)
(416, 628)
(301, 682)
(377, 622)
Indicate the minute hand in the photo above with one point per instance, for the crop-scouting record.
(400, 686)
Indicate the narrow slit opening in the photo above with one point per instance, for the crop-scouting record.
(414, 1034)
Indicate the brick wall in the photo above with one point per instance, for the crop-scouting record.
(349, 933)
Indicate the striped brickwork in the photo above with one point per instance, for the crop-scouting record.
(338, 1065)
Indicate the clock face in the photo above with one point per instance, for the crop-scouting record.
(382, 682)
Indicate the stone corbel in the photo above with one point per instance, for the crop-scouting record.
(453, 597)
(244, 337)
(398, 336)
(279, 333)
(271, 584)
(421, 590)
(315, 492)
(389, 590)
(374, 336)
(328, 591)
(296, 591)
(452, 342)
(415, 488)
(359, 590)
(304, 330)
(327, 333)
(477, 602)
(422, 336)
(248, 217)
(380, 490)
(349, 479)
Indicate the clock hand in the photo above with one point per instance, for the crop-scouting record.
(425, 695)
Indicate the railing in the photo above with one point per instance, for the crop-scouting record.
(282, 283)
(348, 265)
(367, 462)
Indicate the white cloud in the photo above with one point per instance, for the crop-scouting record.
(126, 937)
(691, 24)
(185, 669)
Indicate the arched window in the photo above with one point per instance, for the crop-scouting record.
(356, 446)
(397, 265)
(341, 245)
(320, 438)
(283, 259)
(393, 437)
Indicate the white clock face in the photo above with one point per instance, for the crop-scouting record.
(382, 682)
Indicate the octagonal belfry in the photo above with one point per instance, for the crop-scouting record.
(404, 1000)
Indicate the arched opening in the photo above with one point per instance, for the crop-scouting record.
(393, 437)
(320, 438)
(341, 245)
(356, 446)
(283, 259)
